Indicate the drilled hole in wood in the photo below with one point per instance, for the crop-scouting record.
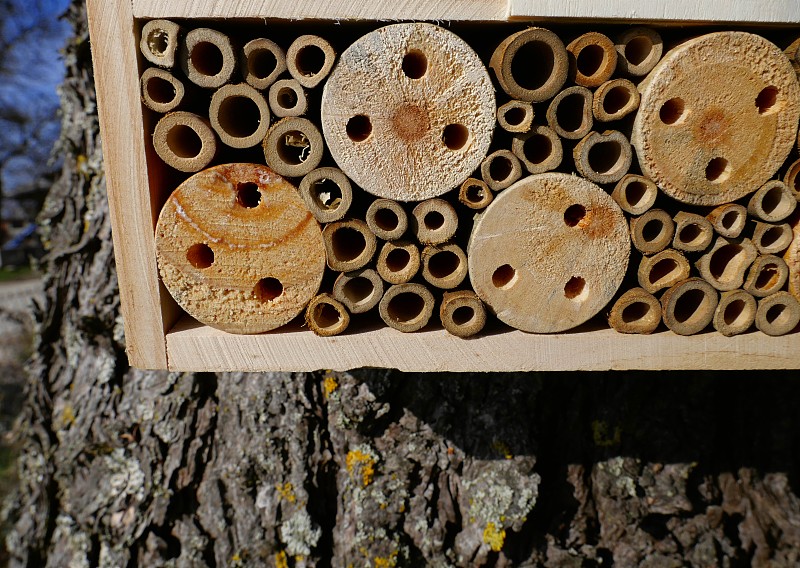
(309, 60)
(635, 192)
(200, 255)
(638, 49)
(347, 244)
(294, 147)
(358, 289)
(718, 170)
(515, 115)
(767, 278)
(766, 100)
(261, 63)
(530, 75)
(397, 259)
(184, 142)
(158, 41)
(455, 136)
(500, 168)
(405, 307)
(326, 194)
(662, 269)
(537, 148)
(433, 220)
(248, 195)
(605, 157)
(267, 289)
(504, 277)
(207, 58)
(160, 90)
(574, 288)
(443, 263)
(616, 99)
(286, 98)
(463, 315)
(574, 214)
(239, 116)
(652, 230)
(570, 112)
(723, 262)
(415, 64)
(672, 111)
(590, 59)
(635, 311)
(359, 128)
(688, 304)
(326, 316)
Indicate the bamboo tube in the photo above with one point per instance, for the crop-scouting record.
(792, 258)
(773, 202)
(603, 158)
(239, 115)
(310, 59)
(293, 147)
(570, 113)
(421, 144)
(515, 116)
(689, 306)
(652, 231)
(462, 313)
(518, 246)
(635, 194)
(359, 291)
(767, 275)
(708, 154)
(614, 100)
(778, 314)
(161, 91)
(539, 150)
(185, 141)
(406, 307)
(792, 179)
(262, 62)
(518, 77)
(238, 250)
(500, 169)
(287, 98)
(326, 316)
(728, 220)
(444, 266)
(327, 193)
(662, 270)
(592, 59)
(159, 42)
(398, 262)
(724, 266)
(693, 233)
(207, 58)
(387, 219)
(636, 311)
(349, 245)
(735, 313)
(475, 194)
(639, 49)
(772, 239)
(434, 221)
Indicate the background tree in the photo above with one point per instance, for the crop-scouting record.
(371, 468)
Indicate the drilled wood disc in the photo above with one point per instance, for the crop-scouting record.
(238, 249)
(718, 116)
(549, 252)
(408, 111)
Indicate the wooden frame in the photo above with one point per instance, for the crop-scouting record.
(160, 337)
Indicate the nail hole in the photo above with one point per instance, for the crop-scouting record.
(463, 315)
(504, 277)
(574, 214)
(475, 193)
(326, 316)
(397, 259)
(359, 128)
(766, 99)
(605, 157)
(690, 233)
(662, 269)
(590, 59)
(294, 147)
(158, 42)
(326, 194)
(207, 58)
(309, 60)
(248, 195)
(359, 289)
(638, 49)
(267, 289)
(774, 312)
(433, 220)
(286, 98)
(616, 99)
(415, 64)
(200, 255)
(347, 244)
(261, 63)
(455, 136)
(635, 192)
(733, 312)
(183, 141)
(500, 168)
(718, 170)
(537, 148)
(767, 277)
(533, 76)
(652, 230)
(515, 115)
(239, 116)
(160, 90)
(386, 219)
(405, 307)
(570, 113)
(443, 263)
(574, 288)
(672, 111)
(688, 304)
(635, 311)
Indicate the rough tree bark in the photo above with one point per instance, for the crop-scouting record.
(371, 468)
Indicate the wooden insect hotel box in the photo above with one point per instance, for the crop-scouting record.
(453, 185)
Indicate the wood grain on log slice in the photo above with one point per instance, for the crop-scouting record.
(409, 111)
(500, 169)
(287, 98)
(662, 270)
(767, 275)
(539, 150)
(735, 313)
(773, 202)
(387, 219)
(310, 59)
(398, 261)
(793, 53)
(327, 193)
(407, 307)
(359, 291)
(614, 100)
(185, 141)
(772, 239)
(635, 194)
(349, 245)
(475, 194)
(592, 59)
(462, 313)
(652, 231)
(238, 250)
(639, 49)
(240, 115)
(207, 58)
(326, 316)
(293, 147)
(531, 65)
(433, 221)
(262, 62)
(570, 113)
(603, 158)
(778, 314)
(444, 266)
(515, 116)
(549, 252)
(792, 179)
(693, 232)
(724, 266)
(728, 220)
(160, 42)
(688, 307)
(792, 257)
(718, 117)
(636, 311)
(161, 91)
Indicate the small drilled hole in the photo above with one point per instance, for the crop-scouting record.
(515, 115)
(160, 90)
(672, 111)
(768, 277)
(688, 303)
(504, 277)
(347, 244)
(158, 41)
(652, 230)
(415, 64)
(500, 168)
(616, 99)
(574, 214)
(405, 307)
(635, 192)
(286, 98)
(463, 315)
(248, 195)
(359, 128)
(635, 311)
(359, 289)
(771, 236)
(717, 170)
(326, 194)
(733, 311)
(689, 233)
(309, 60)
(455, 136)
(774, 312)
(200, 255)
(662, 269)
(433, 220)
(326, 316)
(386, 219)
(207, 58)
(605, 157)
(638, 49)
(184, 142)
(267, 289)
(294, 147)
(766, 99)
(590, 59)
(261, 63)
(574, 288)
(537, 148)
(397, 259)
(475, 193)
(570, 112)
(443, 264)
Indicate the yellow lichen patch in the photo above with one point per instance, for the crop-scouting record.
(600, 434)
(494, 537)
(286, 491)
(503, 449)
(390, 562)
(360, 461)
(281, 561)
(236, 560)
(329, 385)
(67, 416)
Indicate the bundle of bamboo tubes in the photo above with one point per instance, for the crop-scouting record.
(563, 177)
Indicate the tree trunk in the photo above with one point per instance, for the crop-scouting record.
(123, 467)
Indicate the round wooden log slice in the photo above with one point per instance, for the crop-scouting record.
(326, 316)
(462, 313)
(735, 313)
(705, 140)
(161, 91)
(792, 258)
(636, 311)
(549, 252)
(238, 249)
(408, 112)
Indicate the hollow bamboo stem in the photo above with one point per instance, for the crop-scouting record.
(635, 194)
(262, 62)
(240, 115)
(614, 100)
(293, 147)
(773, 202)
(287, 98)
(636, 311)
(475, 194)
(792, 179)
(160, 42)
(500, 169)
(639, 49)
(539, 150)
(603, 158)
(444, 266)
(398, 261)
(161, 91)
(359, 291)
(207, 58)
(540, 81)
(662, 270)
(728, 220)
(434, 221)
(767, 275)
(326, 316)
(725, 265)
(328, 194)
(515, 116)
(735, 313)
(309, 60)
(689, 306)
(778, 314)
(407, 307)
(652, 231)
(185, 141)
(462, 313)
(592, 59)
(772, 239)
(693, 233)
(570, 113)
(387, 219)
(349, 245)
